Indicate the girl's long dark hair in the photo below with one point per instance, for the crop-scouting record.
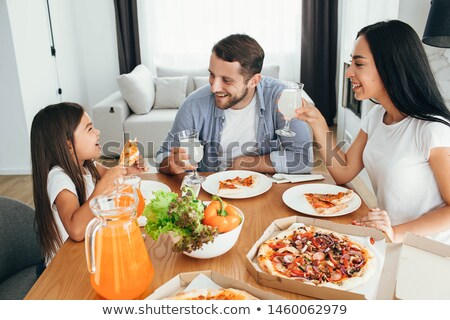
(405, 71)
(52, 128)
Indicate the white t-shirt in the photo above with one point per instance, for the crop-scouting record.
(396, 159)
(236, 138)
(58, 180)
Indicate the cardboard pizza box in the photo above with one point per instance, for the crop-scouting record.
(417, 270)
(178, 283)
(295, 286)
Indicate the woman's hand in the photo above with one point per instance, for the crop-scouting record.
(380, 220)
(309, 113)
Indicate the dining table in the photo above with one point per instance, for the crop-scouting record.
(67, 276)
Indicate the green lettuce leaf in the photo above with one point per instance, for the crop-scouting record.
(180, 216)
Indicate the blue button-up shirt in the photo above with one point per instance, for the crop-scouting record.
(198, 111)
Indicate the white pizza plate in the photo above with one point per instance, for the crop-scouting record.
(147, 188)
(295, 199)
(211, 184)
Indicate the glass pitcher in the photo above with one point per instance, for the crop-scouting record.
(116, 256)
(129, 184)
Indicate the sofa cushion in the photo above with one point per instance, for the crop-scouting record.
(170, 92)
(150, 129)
(200, 82)
(137, 89)
(176, 72)
(271, 70)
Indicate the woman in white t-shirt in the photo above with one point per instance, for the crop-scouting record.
(65, 177)
(404, 142)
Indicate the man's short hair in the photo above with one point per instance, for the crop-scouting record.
(243, 49)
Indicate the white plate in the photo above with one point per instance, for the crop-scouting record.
(211, 184)
(147, 188)
(294, 198)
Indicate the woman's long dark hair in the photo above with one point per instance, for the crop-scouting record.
(52, 128)
(405, 71)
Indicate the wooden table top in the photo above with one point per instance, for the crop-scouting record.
(67, 276)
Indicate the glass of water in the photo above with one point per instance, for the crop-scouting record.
(289, 100)
(189, 141)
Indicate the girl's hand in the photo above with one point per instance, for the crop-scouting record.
(139, 167)
(107, 180)
(378, 219)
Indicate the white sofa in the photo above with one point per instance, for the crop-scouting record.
(145, 106)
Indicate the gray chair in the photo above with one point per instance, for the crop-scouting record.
(20, 252)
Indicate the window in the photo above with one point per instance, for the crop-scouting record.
(180, 33)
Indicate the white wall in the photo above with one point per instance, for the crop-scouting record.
(354, 15)
(95, 37)
(13, 130)
(415, 13)
(85, 67)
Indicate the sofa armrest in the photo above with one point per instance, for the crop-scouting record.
(108, 116)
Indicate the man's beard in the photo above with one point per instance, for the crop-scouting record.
(234, 101)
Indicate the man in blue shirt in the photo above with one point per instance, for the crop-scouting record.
(236, 116)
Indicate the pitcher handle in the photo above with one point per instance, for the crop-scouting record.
(89, 243)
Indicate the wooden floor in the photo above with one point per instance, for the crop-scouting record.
(17, 187)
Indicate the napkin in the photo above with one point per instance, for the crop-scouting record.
(201, 282)
(295, 178)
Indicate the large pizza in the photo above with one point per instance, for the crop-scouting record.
(318, 257)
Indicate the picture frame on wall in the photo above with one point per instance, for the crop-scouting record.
(348, 98)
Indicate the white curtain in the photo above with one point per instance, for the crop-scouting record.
(360, 13)
(181, 33)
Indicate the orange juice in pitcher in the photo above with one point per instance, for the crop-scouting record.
(129, 184)
(116, 256)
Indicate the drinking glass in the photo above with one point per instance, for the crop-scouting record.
(289, 100)
(189, 141)
(130, 184)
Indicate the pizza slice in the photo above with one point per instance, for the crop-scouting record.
(130, 153)
(236, 184)
(213, 294)
(336, 198)
(329, 203)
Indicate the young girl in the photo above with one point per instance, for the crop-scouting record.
(65, 177)
(404, 142)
